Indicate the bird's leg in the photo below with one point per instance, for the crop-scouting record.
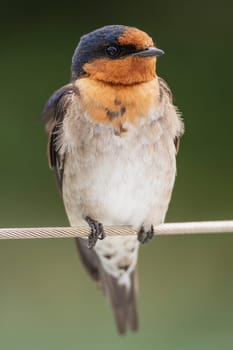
(97, 232)
(144, 236)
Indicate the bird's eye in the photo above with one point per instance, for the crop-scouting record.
(113, 51)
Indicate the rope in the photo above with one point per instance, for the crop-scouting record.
(83, 231)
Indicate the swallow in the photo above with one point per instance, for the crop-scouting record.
(113, 138)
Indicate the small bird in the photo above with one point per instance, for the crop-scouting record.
(113, 137)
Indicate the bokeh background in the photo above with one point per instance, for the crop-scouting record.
(186, 283)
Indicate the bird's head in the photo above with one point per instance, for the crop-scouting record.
(116, 54)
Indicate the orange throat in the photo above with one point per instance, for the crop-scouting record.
(117, 105)
(125, 71)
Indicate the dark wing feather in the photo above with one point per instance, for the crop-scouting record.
(55, 161)
(53, 113)
(177, 143)
(50, 108)
(165, 89)
(89, 258)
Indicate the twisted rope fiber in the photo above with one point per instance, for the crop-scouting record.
(84, 231)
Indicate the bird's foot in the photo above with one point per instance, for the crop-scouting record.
(97, 232)
(145, 236)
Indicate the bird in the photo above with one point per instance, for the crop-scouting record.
(113, 138)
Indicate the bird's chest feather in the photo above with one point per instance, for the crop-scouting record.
(117, 105)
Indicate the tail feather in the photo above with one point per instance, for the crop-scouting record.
(121, 298)
(132, 306)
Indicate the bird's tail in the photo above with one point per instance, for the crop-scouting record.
(123, 300)
(121, 297)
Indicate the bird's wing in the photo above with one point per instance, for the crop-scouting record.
(166, 92)
(53, 114)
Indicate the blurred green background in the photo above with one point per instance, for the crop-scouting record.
(186, 283)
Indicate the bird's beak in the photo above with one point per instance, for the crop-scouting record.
(150, 51)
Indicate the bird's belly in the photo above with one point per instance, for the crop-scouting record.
(121, 186)
(123, 191)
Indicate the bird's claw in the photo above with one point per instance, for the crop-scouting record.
(97, 232)
(145, 236)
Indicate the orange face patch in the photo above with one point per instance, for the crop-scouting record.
(126, 71)
(136, 37)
